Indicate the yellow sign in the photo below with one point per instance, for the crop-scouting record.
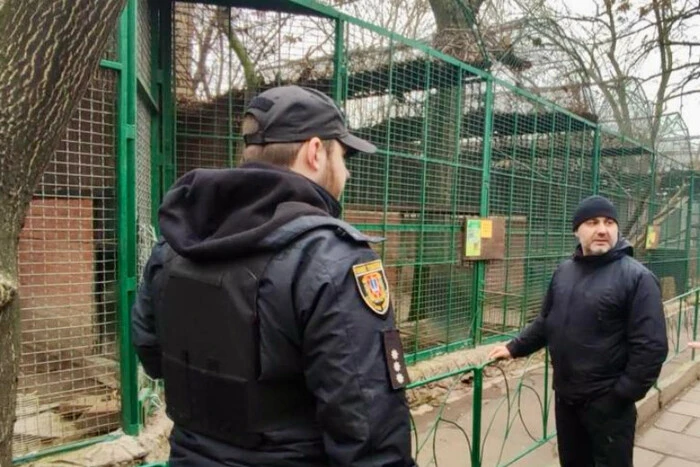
(486, 228)
(651, 237)
(473, 238)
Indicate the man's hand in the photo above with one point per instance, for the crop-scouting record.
(500, 352)
(694, 345)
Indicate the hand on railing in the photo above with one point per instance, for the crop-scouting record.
(500, 352)
(694, 345)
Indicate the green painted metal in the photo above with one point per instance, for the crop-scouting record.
(595, 162)
(64, 449)
(689, 231)
(165, 15)
(127, 217)
(156, 94)
(532, 387)
(476, 417)
(339, 64)
(480, 266)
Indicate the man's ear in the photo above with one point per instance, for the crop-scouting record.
(313, 154)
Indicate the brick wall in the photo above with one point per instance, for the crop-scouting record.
(56, 274)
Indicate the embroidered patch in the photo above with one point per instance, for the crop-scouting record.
(395, 361)
(373, 286)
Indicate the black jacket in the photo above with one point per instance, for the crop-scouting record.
(312, 319)
(603, 321)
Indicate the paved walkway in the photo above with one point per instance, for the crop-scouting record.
(673, 438)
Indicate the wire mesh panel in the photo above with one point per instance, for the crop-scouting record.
(223, 57)
(667, 243)
(68, 387)
(145, 232)
(430, 118)
(423, 183)
(541, 167)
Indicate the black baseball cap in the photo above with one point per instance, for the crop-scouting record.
(288, 114)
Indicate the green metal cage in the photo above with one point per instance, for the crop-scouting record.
(455, 144)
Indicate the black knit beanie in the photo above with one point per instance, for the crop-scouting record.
(593, 206)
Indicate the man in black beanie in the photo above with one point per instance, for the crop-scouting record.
(603, 321)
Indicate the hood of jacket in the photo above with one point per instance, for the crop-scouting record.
(212, 214)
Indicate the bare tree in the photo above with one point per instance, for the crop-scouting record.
(50, 50)
(608, 56)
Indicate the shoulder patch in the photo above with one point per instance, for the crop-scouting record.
(396, 363)
(373, 286)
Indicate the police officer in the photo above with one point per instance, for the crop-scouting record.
(603, 321)
(268, 318)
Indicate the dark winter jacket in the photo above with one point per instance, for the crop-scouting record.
(313, 322)
(603, 321)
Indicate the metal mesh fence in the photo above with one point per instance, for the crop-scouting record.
(541, 163)
(473, 188)
(68, 386)
(431, 118)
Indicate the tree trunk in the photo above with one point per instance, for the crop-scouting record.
(49, 52)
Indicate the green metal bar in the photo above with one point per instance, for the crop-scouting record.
(147, 94)
(421, 233)
(529, 450)
(63, 449)
(695, 319)
(680, 325)
(157, 120)
(454, 249)
(339, 67)
(509, 233)
(110, 64)
(595, 161)
(545, 411)
(126, 206)
(168, 107)
(229, 105)
(688, 231)
(476, 414)
(567, 158)
(387, 159)
(528, 235)
(480, 266)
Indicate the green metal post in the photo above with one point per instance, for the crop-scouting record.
(387, 158)
(230, 147)
(688, 231)
(530, 228)
(418, 290)
(595, 161)
(339, 66)
(545, 406)
(480, 267)
(651, 208)
(509, 226)
(167, 106)
(476, 421)
(126, 181)
(695, 318)
(454, 247)
(157, 121)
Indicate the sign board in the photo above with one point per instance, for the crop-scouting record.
(484, 238)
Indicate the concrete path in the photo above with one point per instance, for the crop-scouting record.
(672, 439)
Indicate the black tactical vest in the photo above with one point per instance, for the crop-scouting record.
(208, 329)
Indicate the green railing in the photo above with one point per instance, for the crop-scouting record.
(507, 418)
(495, 414)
